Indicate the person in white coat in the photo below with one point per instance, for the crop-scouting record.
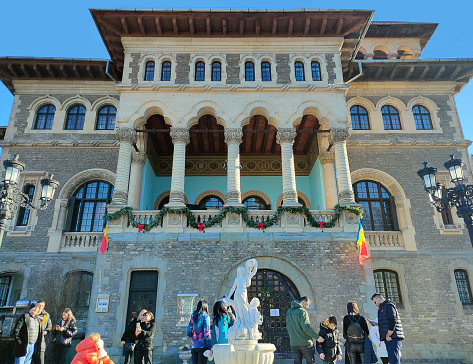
(380, 345)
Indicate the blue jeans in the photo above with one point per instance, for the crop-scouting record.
(394, 351)
(306, 352)
(27, 358)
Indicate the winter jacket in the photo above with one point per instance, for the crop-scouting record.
(368, 352)
(220, 329)
(298, 326)
(20, 334)
(46, 326)
(199, 331)
(330, 347)
(388, 319)
(88, 353)
(348, 319)
(129, 334)
(145, 340)
(65, 336)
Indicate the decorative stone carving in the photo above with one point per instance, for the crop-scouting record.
(233, 136)
(180, 135)
(233, 196)
(127, 135)
(174, 219)
(233, 219)
(138, 158)
(338, 135)
(120, 197)
(352, 219)
(286, 135)
(346, 196)
(327, 157)
(293, 219)
(289, 195)
(63, 204)
(176, 196)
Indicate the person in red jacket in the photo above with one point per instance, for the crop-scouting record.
(91, 351)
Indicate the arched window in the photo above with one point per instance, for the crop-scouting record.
(200, 71)
(5, 284)
(265, 71)
(75, 118)
(24, 212)
(249, 71)
(379, 55)
(464, 288)
(316, 75)
(387, 283)
(106, 118)
(78, 299)
(390, 118)
(211, 203)
(166, 71)
(359, 118)
(378, 206)
(149, 71)
(216, 71)
(87, 206)
(163, 202)
(360, 56)
(299, 70)
(255, 203)
(45, 117)
(422, 117)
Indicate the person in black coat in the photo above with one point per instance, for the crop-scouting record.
(354, 348)
(129, 339)
(144, 333)
(329, 350)
(46, 326)
(63, 333)
(390, 327)
(25, 334)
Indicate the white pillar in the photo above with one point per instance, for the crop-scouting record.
(285, 138)
(327, 160)
(338, 138)
(138, 160)
(127, 137)
(180, 138)
(233, 138)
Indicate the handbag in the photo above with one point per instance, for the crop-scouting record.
(128, 347)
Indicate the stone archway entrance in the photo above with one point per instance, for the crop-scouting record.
(275, 291)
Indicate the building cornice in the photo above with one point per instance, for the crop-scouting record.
(59, 144)
(407, 143)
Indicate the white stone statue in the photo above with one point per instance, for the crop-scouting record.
(243, 328)
(255, 319)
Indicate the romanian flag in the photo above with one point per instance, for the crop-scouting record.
(362, 248)
(103, 245)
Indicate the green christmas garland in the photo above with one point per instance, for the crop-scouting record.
(242, 211)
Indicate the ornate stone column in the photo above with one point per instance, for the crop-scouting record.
(127, 137)
(180, 138)
(233, 138)
(285, 138)
(138, 160)
(338, 138)
(327, 160)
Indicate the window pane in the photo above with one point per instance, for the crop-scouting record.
(249, 71)
(422, 117)
(45, 117)
(24, 212)
(200, 71)
(4, 289)
(106, 118)
(149, 72)
(216, 71)
(390, 118)
(299, 68)
(359, 118)
(387, 283)
(75, 118)
(212, 203)
(265, 71)
(463, 285)
(316, 75)
(166, 71)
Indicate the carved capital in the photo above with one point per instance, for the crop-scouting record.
(286, 135)
(180, 135)
(138, 158)
(233, 136)
(120, 197)
(346, 196)
(338, 135)
(126, 135)
(327, 157)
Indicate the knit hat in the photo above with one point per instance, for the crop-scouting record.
(33, 305)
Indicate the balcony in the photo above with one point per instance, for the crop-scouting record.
(80, 241)
(385, 240)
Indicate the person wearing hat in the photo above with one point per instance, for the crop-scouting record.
(25, 334)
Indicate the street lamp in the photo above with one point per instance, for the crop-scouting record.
(11, 197)
(460, 196)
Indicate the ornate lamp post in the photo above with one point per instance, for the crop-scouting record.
(11, 197)
(460, 196)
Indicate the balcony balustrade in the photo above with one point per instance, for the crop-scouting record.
(81, 241)
(385, 240)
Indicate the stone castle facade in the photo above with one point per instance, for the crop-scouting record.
(213, 109)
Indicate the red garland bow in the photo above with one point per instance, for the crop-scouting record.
(261, 226)
(201, 227)
(321, 224)
(140, 228)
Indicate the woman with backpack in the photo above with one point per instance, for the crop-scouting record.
(220, 324)
(199, 331)
(354, 330)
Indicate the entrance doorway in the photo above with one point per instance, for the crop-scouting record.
(275, 292)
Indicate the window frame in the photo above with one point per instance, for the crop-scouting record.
(206, 199)
(150, 67)
(47, 119)
(266, 71)
(388, 117)
(216, 71)
(199, 71)
(384, 272)
(25, 212)
(5, 292)
(166, 69)
(357, 116)
(467, 287)
(316, 71)
(70, 114)
(108, 116)
(249, 71)
(263, 202)
(299, 71)
(420, 115)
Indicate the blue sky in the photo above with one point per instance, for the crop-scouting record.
(66, 29)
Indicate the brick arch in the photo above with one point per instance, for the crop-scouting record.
(260, 194)
(162, 196)
(204, 194)
(80, 178)
(303, 197)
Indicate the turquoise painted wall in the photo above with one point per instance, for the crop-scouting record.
(311, 185)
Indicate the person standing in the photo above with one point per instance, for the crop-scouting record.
(128, 341)
(380, 345)
(63, 333)
(300, 331)
(390, 327)
(25, 334)
(46, 326)
(220, 324)
(144, 333)
(354, 330)
(330, 350)
(199, 331)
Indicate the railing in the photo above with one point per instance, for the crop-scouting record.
(384, 239)
(324, 216)
(81, 241)
(262, 216)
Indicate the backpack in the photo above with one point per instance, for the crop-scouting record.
(355, 332)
